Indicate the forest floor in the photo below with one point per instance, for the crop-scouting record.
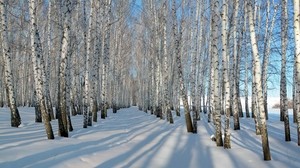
(132, 138)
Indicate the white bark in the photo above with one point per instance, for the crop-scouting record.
(15, 116)
(88, 106)
(297, 53)
(257, 78)
(225, 60)
(62, 119)
(283, 91)
(215, 66)
(235, 71)
(36, 59)
(48, 67)
(166, 69)
(106, 54)
(182, 88)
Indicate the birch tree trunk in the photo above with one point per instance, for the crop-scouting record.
(10, 92)
(194, 36)
(254, 106)
(225, 59)
(283, 91)
(62, 119)
(295, 97)
(97, 56)
(245, 42)
(257, 78)
(166, 70)
(88, 106)
(36, 59)
(210, 88)
(68, 82)
(235, 52)
(183, 91)
(47, 69)
(106, 53)
(297, 53)
(200, 74)
(60, 34)
(215, 66)
(246, 88)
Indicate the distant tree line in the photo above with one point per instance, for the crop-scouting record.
(289, 105)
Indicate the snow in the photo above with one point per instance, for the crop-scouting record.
(132, 138)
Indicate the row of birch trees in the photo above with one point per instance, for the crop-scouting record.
(69, 57)
(66, 57)
(206, 55)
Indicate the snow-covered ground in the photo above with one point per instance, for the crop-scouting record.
(132, 138)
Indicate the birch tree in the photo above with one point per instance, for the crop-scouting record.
(36, 59)
(194, 48)
(235, 71)
(97, 56)
(201, 64)
(106, 53)
(6, 52)
(257, 79)
(166, 66)
(87, 110)
(47, 70)
(215, 67)
(62, 119)
(297, 60)
(178, 35)
(283, 91)
(266, 54)
(225, 59)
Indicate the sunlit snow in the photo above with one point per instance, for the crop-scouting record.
(132, 138)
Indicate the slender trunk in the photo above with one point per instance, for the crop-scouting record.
(63, 120)
(68, 86)
(194, 46)
(36, 59)
(166, 66)
(183, 91)
(294, 91)
(283, 91)
(246, 91)
(257, 78)
(215, 65)
(85, 87)
(235, 71)
(106, 54)
(200, 74)
(48, 68)
(15, 116)
(297, 53)
(97, 56)
(210, 80)
(88, 106)
(37, 108)
(254, 107)
(225, 60)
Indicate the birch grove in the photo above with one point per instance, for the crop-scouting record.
(195, 59)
